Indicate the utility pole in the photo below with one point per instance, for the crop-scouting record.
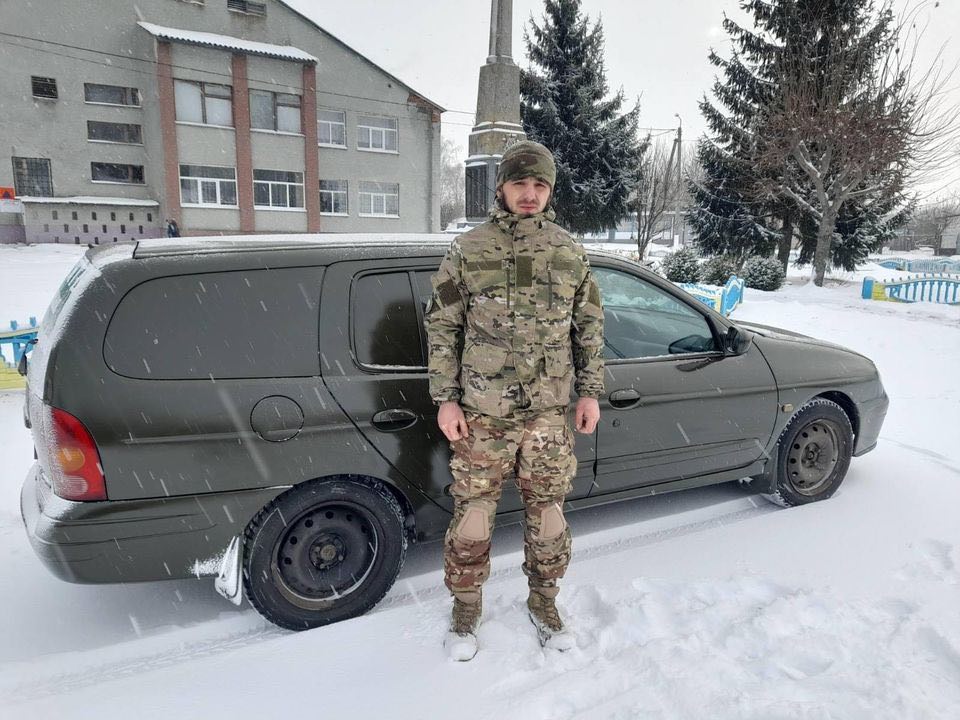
(679, 183)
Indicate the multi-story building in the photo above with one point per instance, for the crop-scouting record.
(228, 116)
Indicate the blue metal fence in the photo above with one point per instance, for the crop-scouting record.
(19, 339)
(722, 299)
(943, 289)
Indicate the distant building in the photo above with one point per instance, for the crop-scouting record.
(951, 237)
(228, 116)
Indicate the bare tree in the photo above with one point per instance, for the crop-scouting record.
(931, 220)
(451, 182)
(853, 120)
(654, 191)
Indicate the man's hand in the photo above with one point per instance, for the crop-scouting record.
(452, 422)
(588, 415)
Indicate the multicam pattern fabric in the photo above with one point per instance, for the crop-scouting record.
(513, 298)
(527, 159)
(539, 449)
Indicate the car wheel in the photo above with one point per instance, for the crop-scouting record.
(814, 454)
(324, 551)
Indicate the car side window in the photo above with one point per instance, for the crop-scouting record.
(386, 324)
(642, 321)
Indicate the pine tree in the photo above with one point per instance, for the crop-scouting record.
(564, 105)
(730, 215)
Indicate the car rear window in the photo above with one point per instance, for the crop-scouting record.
(243, 324)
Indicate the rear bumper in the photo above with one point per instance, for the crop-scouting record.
(134, 540)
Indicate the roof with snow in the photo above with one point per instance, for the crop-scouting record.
(89, 200)
(226, 42)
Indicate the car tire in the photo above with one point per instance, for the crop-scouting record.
(813, 455)
(323, 551)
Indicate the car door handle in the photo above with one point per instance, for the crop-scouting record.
(624, 399)
(394, 419)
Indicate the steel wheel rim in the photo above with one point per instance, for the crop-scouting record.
(325, 554)
(813, 455)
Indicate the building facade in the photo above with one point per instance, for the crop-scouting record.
(226, 116)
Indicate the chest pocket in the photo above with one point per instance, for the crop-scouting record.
(485, 277)
(562, 281)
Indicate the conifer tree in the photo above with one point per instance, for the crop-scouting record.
(564, 105)
(730, 214)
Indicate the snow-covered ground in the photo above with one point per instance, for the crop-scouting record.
(702, 604)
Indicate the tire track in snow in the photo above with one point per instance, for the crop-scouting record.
(57, 683)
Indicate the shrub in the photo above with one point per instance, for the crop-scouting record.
(717, 270)
(763, 273)
(681, 266)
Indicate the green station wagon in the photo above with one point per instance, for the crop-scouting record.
(256, 410)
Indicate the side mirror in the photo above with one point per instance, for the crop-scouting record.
(736, 341)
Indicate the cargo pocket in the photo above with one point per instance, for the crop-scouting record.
(482, 378)
(558, 374)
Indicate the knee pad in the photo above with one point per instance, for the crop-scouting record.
(552, 522)
(474, 526)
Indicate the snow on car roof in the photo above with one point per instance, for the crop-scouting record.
(164, 247)
(194, 37)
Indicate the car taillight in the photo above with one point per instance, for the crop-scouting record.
(73, 458)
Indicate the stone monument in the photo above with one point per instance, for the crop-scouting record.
(498, 114)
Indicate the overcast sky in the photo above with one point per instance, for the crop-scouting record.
(654, 49)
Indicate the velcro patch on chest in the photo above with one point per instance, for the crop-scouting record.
(524, 271)
(477, 265)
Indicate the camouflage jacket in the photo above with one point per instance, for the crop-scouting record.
(513, 303)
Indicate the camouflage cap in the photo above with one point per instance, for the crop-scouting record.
(527, 159)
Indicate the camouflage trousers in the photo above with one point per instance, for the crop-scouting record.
(539, 449)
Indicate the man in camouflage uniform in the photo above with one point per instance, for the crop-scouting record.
(513, 303)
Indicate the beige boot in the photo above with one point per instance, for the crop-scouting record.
(461, 642)
(546, 619)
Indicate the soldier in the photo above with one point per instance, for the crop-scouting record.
(515, 315)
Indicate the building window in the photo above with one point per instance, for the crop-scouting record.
(274, 111)
(277, 189)
(32, 176)
(331, 128)
(55, 215)
(149, 217)
(208, 185)
(116, 173)
(377, 133)
(93, 216)
(44, 87)
(114, 132)
(113, 217)
(379, 199)
(131, 217)
(246, 7)
(111, 95)
(333, 197)
(73, 215)
(204, 103)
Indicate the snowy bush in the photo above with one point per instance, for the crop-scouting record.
(763, 273)
(681, 266)
(717, 270)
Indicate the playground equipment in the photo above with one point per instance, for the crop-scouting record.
(722, 299)
(943, 289)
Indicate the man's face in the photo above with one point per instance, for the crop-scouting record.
(526, 196)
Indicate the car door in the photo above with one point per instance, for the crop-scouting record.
(374, 363)
(676, 406)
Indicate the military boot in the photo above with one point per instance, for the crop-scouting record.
(461, 642)
(546, 619)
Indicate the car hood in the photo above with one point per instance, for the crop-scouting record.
(775, 333)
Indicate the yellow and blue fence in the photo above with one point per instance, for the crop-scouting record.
(943, 289)
(722, 299)
(20, 341)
